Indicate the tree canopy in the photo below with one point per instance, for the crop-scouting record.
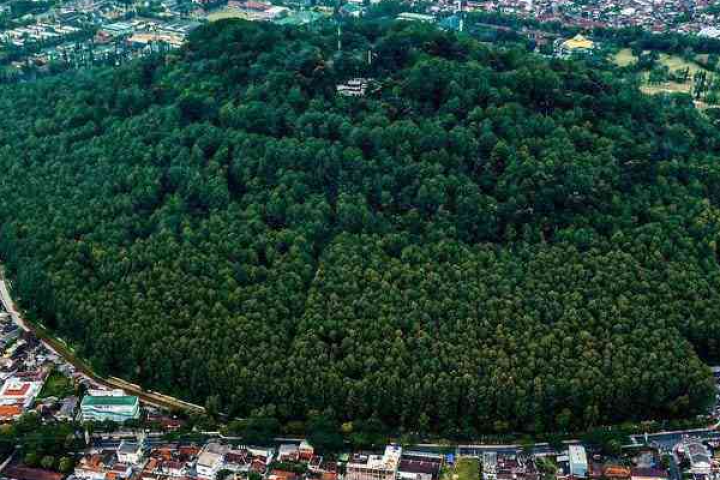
(487, 241)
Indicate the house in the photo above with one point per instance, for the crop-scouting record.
(68, 409)
(616, 472)
(96, 466)
(211, 460)
(288, 452)
(16, 391)
(419, 466)
(101, 405)
(130, 452)
(306, 451)
(698, 455)
(10, 412)
(238, 460)
(648, 474)
(26, 473)
(489, 463)
(173, 468)
(375, 467)
(578, 461)
(282, 475)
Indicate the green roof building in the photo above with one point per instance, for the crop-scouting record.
(111, 405)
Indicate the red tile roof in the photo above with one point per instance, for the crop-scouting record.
(17, 392)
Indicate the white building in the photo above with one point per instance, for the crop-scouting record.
(699, 456)
(375, 467)
(19, 392)
(211, 460)
(578, 461)
(130, 452)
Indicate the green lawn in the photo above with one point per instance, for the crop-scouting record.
(225, 13)
(57, 385)
(465, 469)
(624, 58)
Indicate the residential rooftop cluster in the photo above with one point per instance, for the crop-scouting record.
(680, 16)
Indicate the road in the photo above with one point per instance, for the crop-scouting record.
(60, 349)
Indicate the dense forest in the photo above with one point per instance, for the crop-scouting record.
(487, 241)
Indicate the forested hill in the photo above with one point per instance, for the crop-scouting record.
(488, 241)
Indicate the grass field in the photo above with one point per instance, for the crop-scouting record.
(624, 58)
(674, 62)
(57, 385)
(225, 13)
(465, 469)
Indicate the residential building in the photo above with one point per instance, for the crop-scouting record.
(68, 409)
(699, 457)
(130, 452)
(419, 466)
(648, 474)
(306, 451)
(489, 462)
(10, 412)
(577, 458)
(95, 467)
(288, 452)
(211, 460)
(375, 467)
(17, 391)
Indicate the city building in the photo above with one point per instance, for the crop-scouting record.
(101, 405)
(130, 452)
(288, 452)
(375, 467)
(419, 466)
(211, 460)
(17, 391)
(306, 451)
(416, 17)
(577, 458)
(577, 45)
(68, 409)
(489, 463)
(698, 455)
(648, 474)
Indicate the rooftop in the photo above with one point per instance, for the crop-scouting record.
(124, 400)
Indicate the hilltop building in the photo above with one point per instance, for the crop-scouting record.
(578, 45)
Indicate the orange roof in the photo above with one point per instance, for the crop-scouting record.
(9, 411)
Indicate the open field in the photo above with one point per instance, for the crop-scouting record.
(57, 385)
(225, 13)
(466, 468)
(674, 62)
(624, 58)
